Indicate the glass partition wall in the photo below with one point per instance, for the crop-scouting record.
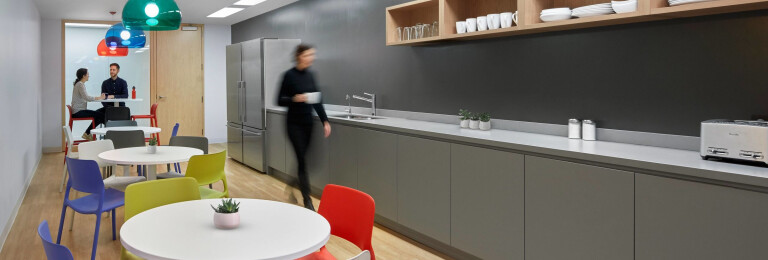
(80, 41)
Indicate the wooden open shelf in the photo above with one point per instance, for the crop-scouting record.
(449, 11)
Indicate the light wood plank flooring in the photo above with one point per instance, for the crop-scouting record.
(43, 202)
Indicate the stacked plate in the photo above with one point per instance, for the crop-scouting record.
(555, 14)
(624, 6)
(681, 2)
(593, 10)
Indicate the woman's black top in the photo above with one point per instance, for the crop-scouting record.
(299, 82)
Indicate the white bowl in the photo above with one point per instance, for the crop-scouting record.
(555, 17)
(556, 10)
(625, 8)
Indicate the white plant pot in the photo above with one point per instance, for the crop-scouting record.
(474, 124)
(152, 148)
(485, 126)
(464, 123)
(226, 220)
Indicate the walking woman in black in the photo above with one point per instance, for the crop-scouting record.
(297, 82)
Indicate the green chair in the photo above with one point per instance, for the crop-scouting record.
(143, 196)
(208, 169)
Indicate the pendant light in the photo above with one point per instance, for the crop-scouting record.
(103, 50)
(151, 15)
(121, 37)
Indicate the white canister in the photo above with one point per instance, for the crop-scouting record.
(574, 129)
(588, 130)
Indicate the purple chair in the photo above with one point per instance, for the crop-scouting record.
(53, 251)
(84, 176)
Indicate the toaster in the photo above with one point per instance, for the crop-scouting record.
(734, 139)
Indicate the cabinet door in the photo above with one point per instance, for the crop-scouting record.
(575, 211)
(343, 156)
(679, 219)
(317, 157)
(276, 141)
(377, 170)
(487, 196)
(424, 186)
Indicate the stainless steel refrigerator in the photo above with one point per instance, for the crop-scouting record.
(254, 72)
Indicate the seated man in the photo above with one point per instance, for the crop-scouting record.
(113, 87)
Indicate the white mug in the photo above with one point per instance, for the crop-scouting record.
(507, 19)
(461, 27)
(313, 97)
(482, 23)
(471, 25)
(493, 21)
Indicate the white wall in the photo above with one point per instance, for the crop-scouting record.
(216, 37)
(51, 90)
(20, 101)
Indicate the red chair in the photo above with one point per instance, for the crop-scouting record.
(152, 121)
(350, 213)
(72, 120)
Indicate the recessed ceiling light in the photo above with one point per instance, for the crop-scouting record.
(224, 12)
(249, 2)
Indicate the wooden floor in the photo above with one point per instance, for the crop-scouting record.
(43, 202)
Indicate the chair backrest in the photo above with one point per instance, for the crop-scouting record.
(126, 139)
(175, 130)
(350, 213)
(207, 168)
(117, 113)
(143, 196)
(68, 138)
(91, 150)
(53, 251)
(365, 255)
(198, 142)
(113, 123)
(84, 176)
(153, 110)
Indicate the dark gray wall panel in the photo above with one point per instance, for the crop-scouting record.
(664, 76)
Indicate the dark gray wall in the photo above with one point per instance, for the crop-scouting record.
(663, 77)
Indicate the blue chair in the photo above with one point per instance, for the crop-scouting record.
(175, 130)
(85, 176)
(176, 166)
(53, 251)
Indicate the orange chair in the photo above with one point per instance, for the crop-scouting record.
(72, 120)
(350, 213)
(152, 121)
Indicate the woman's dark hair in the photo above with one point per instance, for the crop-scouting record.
(80, 74)
(301, 49)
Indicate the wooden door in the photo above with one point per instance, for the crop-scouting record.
(177, 81)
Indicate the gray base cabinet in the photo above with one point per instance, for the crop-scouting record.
(343, 156)
(487, 196)
(317, 157)
(679, 219)
(576, 211)
(377, 170)
(276, 141)
(424, 186)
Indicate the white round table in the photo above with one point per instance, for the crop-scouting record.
(185, 230)
(117, 101)
(147, 130)
(140, 156)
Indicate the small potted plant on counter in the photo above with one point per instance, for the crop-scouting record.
(152, 148)
(474, 121)
(227, 214)
(485, 121)
(464, 117)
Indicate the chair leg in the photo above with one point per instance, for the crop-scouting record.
(61, 223)
(114, 235)
(63, 178)
(96, 238)
(72, 219)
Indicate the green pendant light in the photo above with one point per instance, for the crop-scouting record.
(151, 15)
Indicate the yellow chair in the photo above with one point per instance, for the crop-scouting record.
(208, 169)
(143, 196)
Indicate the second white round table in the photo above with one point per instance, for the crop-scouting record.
(147, 130)
(140, 156)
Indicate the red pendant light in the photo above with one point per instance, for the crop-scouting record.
(103, 50)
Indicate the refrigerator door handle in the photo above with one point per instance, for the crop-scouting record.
(239, 107)
(245, 109)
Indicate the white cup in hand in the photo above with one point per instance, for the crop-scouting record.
(312, 97)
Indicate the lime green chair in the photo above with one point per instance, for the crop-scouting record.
(143, 196)
(208, 169)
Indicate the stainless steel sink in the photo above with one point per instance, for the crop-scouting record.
(356, 117)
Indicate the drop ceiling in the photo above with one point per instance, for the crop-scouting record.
(193, 11)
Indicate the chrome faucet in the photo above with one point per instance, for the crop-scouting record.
(349, 105)
(372, 100)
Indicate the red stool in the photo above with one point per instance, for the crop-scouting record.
(152, 121)
(72, 120)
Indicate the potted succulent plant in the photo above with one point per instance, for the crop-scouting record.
(474, 121)
(152, 148)
(485, 121)
(227, 214)
(464, 118)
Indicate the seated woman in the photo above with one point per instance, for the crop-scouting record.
(80, 100)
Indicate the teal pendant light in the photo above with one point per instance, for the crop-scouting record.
(151, 15)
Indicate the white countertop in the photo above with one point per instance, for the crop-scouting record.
(633, 157)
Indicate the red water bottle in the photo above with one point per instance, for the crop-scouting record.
(133, 93)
